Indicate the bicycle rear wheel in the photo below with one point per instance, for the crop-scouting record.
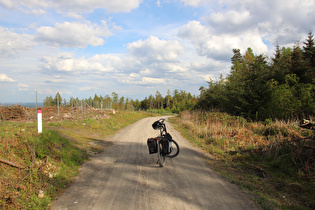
(161, 157)
(174, 149)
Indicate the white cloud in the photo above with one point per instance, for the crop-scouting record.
(11, 43)
(110, 62)
(65, 62)
(111, 6)
(155, 50)
(73, 34)
(193, 3)
(281, 21)
(72, 8)
(219, 46)
(179, 53)
(139, 80)
(198, 3)
(23, 86)
(229, 21)
(149, 80)
(88, 88)
(5, 78)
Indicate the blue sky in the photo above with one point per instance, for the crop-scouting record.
(135, 47)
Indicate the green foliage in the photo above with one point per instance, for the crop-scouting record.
(49, 101)
(51, 144)
(50, 163)
(259, 90)
(179, 101)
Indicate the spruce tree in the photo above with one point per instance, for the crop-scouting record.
(309, 57)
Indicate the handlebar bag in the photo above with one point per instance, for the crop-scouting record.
(152, 145)
(156, 125)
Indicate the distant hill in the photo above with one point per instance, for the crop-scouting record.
(28, 104)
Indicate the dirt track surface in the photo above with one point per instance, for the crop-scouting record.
(126, 176)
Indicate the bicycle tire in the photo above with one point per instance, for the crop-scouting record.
(161, 156)
(174, 149)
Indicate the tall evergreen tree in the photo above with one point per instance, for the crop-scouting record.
(309, 56)
(236, 59)
(298, 64)
(58, 99)
(281, 64)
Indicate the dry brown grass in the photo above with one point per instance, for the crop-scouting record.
(273, 161)
(235, 133)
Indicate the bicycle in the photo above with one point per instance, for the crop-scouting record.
(163, 145)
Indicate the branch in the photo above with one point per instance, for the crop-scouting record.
(32, 153)
(11, 163)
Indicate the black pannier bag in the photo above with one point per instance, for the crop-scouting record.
(166, 144)
(152, 145)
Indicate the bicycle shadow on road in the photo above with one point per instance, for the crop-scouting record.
(126, 176)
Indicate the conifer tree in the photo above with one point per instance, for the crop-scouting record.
(309, 56)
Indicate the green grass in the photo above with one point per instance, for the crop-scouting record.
(50, 159)
(20, 187)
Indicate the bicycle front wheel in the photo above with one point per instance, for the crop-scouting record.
(174, 149)
(161, 156)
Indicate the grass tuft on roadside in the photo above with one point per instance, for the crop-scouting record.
(273, 161)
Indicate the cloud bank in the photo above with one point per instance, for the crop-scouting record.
(136, 47)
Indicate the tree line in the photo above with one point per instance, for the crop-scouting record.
(259, 88)
(175, 102)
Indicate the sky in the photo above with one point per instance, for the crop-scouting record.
(135, 48)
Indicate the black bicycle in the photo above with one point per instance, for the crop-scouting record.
(163, 145)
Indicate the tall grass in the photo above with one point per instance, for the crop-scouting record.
(273, 159)
(229, 133)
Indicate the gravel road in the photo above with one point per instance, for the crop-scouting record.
(126, 176)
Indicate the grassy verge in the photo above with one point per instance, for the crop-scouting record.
(89, 132)
(271, 161)
(36, 168)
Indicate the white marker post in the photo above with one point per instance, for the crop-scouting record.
(39, 121)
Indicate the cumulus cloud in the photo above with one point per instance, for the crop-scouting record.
(72, 8)
(74, 34)
(5, 78)
(229, 21)
(137, 79)
(281, 22)
(155, 50)
(65, 62)
(219, 46)
(11, 43)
